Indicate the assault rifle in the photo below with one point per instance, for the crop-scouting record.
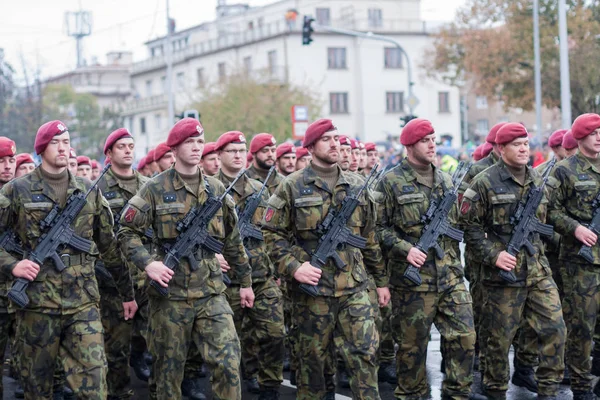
(245, 225)
(594, 226)
(334, 232)
(58, 233)
(10, 243)
(436, 223)
(193, 234)
(526, 223)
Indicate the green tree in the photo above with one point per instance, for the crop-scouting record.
(252, 106)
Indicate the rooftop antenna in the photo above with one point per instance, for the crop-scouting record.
(78, 24)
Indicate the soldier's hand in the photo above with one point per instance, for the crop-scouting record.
(416, 257)
(129, 309)
(308, 274)
(383, 294)
(26, 269)
(224, 264)
(585, 236)
(247, 297)
(159, 272)
(506, 261)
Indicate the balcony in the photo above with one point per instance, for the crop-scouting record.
(139, 105)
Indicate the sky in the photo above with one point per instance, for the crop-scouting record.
(33, 33)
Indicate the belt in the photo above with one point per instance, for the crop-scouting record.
(75, 259)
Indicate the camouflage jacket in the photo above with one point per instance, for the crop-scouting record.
(160, 204)
(294, 212)
(477, 168)
(117, 196)
(275, 180)
(262, 267)
(24, 203)
(553, 243)
(578, 183)
(487, 206)
(399, 228)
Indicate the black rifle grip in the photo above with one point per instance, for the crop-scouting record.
(412, 274)
(163, 291)
(508, 276)
(309, 289)
(18, 292)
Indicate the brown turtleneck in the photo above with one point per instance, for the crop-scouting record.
(330, 175)
(129, 182)
(518, 172)
(59, 183)
(425, 172)
(193, 180)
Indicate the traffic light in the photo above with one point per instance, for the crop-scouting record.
(404, 120)
(307, 30)
(189, 114)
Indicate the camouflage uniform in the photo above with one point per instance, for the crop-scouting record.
(442, 298)
(62, 318)
(274, 182)
(260, 328)
(487, 206)
(196, 310)
(578, 183)
(342, 313)
(117, 331)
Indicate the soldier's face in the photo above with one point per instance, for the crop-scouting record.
(211, 164)
(560, 152)
(362, 163)
(95, 173)
(327, 148)
(84, 171)
(265, 157)
(233, 157)
(570, 152)
(345, 156)
(372, 158)
(287, 163)
(24, 169)
(121, 154)
(8, 165)
(302, 162)
(354, 160)
(189, 152)
(590, 145)
(166, 161)
(422, 152)
(516, 153)
(73, 165)
(56, 154)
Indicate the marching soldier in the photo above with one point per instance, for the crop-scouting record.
(196, 310)
(8, 162)
(210, 162)
(286, 158)
(303, 158)
(24, 164)
(163, 156)
(372, 158)
(345, 153)
(263, 150)
(84, 167)
(72, 167)
(569, 144)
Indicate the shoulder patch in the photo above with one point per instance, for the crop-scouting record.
(276, 202)
(408, 189)
(110, 195)
(139, 203)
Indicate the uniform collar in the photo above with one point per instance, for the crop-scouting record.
(585, 163)
(505, 173)
(38, 184)
(179, 183)
(410, 174)
(310, 176)
(240, 186)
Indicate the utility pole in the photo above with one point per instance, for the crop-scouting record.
(565, 83)
(169, 58)
(78, 24)
(538, 68)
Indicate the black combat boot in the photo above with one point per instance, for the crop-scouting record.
(524, 377)
(584, 396)
(596, 362)
(252, 385)
(329, 396)
(343, 378)
(566, 380)
(140, 368)
(293, 377)
(387, 373)
(542, 397)
(190, 390)
(19, 392)
(68, 393)
(268, 394)
(597, 389)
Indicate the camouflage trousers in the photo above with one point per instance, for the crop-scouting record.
(387, 352)
(413, 315)
(581, 305)
(117, 338)
(207, 322)
(477, 294)
(76, 338)
(507, 309)
(7, 321)
(346, 322)
(139, 332)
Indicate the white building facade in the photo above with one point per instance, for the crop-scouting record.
(363, 83)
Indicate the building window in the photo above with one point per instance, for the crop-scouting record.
(143, 125)
(272, 56)
(338, 103)
(163, 83)
(130, 124)
(443, 102)
(336, 58)
(375, 19)
(248, 65)
(393, 57)
(200, 77)
(158, 121)
(148, 88)
(394, 102)
(482, 126)
(181, 80)
(222, 72)
(323, 16)
(250, 25)
(481, 102)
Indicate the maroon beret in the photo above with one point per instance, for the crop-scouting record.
(95, 164)
(345, 141)
(360, 144)
(556, 138)
(301, 152)
(491, 136)
(161, 150)
(584, 125)
(249, 157)
(415, 130)
(114, 136)
(316, 130)
(141, 163)
(261, 140)
(81, 160)
(231, 137)
(370, 146)
(72, 153)
(209, 148)
(285, 148)
(7, 147)
(569, 141)
(510, 131)
(150, 156)
(486, 149)
(46, 133)
(184, 129)
(477, 153)
(24, 158)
